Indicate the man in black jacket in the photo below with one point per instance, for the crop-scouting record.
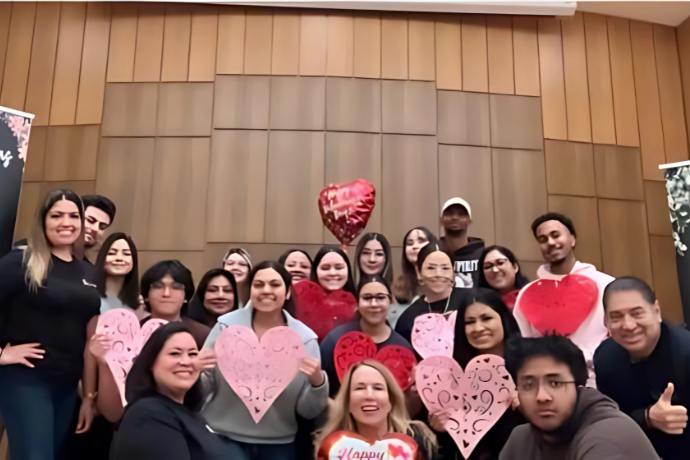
(456, 217)
(645, 366)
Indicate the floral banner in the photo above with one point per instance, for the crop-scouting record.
(678, 191)
(15, 128)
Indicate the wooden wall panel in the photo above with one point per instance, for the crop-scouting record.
(149, 49)
(584, 214)
(237, 186)
(466, 172)
(241, 102)
(40, 84)
(176, 39)
(552, 81)
(570, 168)
(410, 185)
(202, 45)
(71, 153)
(295, 163)
(367, 48)
(599, 75)
(409, 107)
(394, 46)
(80, 187)
(125, 174)
(94, 63)
(448, 52)
(341, 45)
(63, 107)
(526, 50)
(178, 194)
(648, 105)
(33, 169)
(350, 156)
(313, 43)
(519, 179)
(5, 16)
(123, 39)
(185, 109)
(623, 227)
(286, 31)
(670, 89)
(463, 118)
(499, 36)
(231, 30)
(353, 105)
(29, 200)
(658, 217)
(422, 47)
(624, 104)
(683, 37)
(257, 42)
(298, 103)
(130, 109)
(576, 88)
(18, 56)
(516, 122)
(666, 278)
(618, 172)
(475, 65)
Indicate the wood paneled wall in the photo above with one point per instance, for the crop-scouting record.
(214, 126)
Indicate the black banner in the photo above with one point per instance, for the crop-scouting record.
(678, 191)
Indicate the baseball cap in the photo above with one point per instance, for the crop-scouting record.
(459, 201)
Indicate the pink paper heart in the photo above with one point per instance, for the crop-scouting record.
(475, 399)
(258, 372)
(121, 326)
(434, 334)
(347, 445)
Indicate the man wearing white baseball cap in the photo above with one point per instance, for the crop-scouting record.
(456, 217)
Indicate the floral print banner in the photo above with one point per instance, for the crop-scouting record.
(678, 191)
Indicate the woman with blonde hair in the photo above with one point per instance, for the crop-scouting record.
(371, 404)
(238, 262)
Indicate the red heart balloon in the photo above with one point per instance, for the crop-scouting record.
(346, 208)
(354, 347)
(322, 311)
(559, 306)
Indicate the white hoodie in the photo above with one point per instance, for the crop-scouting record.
(592, 331)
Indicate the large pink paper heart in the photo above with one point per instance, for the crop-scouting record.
(121, 326)
(434, 335)
(347, 445)
(258, 372)
(475, 399)
(559, 306)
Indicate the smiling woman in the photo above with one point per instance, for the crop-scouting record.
(215, 296)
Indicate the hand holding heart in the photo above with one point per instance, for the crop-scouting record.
(206, 360)
(434, 334)
(311, 367)
(348, 445)
(666, 417)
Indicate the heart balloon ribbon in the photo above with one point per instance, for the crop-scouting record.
(127, 338)
(322, 311)
(434, 334)
(346, 208)
(474, 399)
(347, 445)
(559, 306)
(355, 347)
(259, 370)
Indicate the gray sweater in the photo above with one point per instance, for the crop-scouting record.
(227, 415)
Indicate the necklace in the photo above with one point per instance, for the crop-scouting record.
(445, 310)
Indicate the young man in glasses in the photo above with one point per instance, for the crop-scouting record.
(567, 421)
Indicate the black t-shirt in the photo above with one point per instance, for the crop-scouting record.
(421, 306)
(328, 347)
(56, 316)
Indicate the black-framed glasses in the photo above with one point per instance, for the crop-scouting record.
(497, 263)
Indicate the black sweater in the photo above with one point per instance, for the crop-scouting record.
(634, 386)
(157, 427)
(421, 306)
(56, 316)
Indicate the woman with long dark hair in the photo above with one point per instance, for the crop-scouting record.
(332, 271)
(47, 298)
(373, 257)
(216, 295)
(298, 263)
(499, 270)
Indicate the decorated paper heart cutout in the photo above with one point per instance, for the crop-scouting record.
(475, 399)
(127, 338)
(346, 208)
(559, 306)
(322, 311)
(434, 334)
(347, 445)
(354, 347)
(259, 371)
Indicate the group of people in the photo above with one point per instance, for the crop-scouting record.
(615, 388)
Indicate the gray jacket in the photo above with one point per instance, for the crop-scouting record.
(227, 415)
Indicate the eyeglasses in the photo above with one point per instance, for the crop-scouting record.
(161, 285)
(368, 298)
(497, 263)
(530, 387)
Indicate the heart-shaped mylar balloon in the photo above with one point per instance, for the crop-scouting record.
(259, 371)
(346, 208)
(475, 399)
(127, 338)
(434, 334)
(559, 306)
(354, 347)
(347, 445)
(322, 311)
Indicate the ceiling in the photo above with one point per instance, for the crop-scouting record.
(668, 13)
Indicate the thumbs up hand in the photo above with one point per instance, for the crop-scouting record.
(668, 418)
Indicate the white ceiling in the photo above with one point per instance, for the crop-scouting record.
(668, 13)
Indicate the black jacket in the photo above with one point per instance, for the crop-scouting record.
(467, 263)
